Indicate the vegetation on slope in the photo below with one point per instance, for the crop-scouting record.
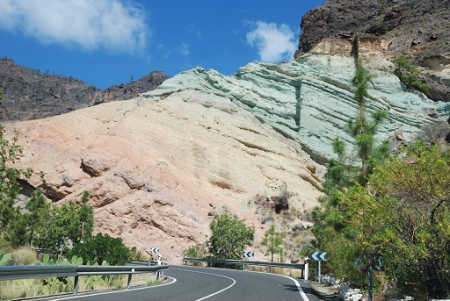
(408, 74)
(390, 212)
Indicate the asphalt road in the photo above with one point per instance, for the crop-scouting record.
(194, 283)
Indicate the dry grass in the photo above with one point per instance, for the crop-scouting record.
(24, 256)
(24, 288)
(275, 270)
(19, 288)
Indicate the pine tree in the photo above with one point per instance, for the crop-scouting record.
(351, 169)
(273, 240)
(82, 223)
(341, 172)
(9, 184)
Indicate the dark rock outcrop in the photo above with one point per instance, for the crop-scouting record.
(128, 91)
(29, 94)
(416, 29)
(407, 23)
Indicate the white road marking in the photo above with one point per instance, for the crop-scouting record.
(115, 292)
(218, 292)
(300, 290)
(299, 287)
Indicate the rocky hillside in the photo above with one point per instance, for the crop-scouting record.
(419, 30)
(128, 91)
(158, 171)
(159, 166)
(30, 94)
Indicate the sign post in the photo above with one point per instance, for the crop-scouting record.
(247, 254)
(152, 251)
(319, 256)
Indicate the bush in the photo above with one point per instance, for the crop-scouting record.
(137, 254)
(196, 251)
(229, 237)
(99, 249)
(407, 74)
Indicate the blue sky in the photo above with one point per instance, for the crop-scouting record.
(105, 42)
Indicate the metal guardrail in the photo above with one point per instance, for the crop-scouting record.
(26, 272)
(248, 262)
(142, 262)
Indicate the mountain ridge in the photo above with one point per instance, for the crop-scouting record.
(29, 94)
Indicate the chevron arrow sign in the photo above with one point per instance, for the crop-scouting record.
(248, 254)
(154, 250)
(319, 256)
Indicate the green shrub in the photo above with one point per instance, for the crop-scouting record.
(407, 74)
(137, 254)
(99, 249)
(197, 251)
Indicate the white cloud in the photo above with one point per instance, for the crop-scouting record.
(117, 25)
(183, 50)
(274, 43)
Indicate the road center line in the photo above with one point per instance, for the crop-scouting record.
(218, 292)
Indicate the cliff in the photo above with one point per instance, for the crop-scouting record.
(418, 30)
(309, 100)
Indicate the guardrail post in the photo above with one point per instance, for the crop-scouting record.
(75, 285)
(129, 280)
(306, 268)
(319, 272)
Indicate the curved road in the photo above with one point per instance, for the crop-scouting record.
(194, 283)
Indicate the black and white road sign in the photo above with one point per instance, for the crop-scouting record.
(319, 256)
(154, 250)
(248, 254)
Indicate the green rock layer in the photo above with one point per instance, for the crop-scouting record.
(311, 99)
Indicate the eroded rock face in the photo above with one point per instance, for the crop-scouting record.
(157, 169)
(311, 99)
